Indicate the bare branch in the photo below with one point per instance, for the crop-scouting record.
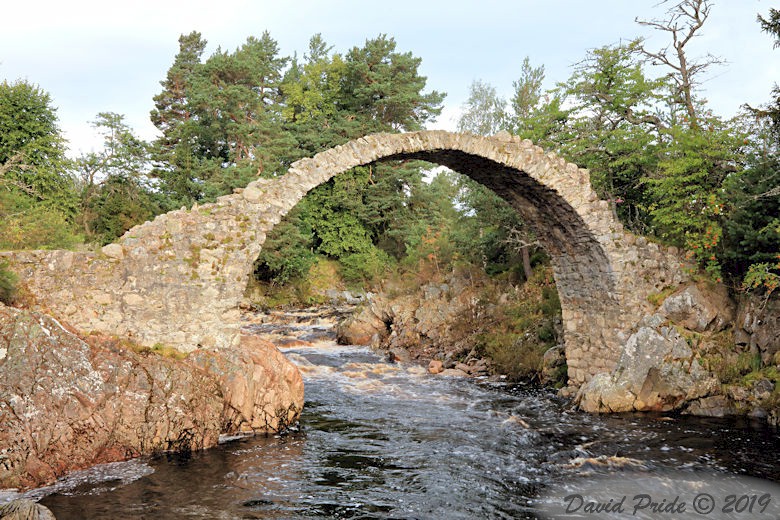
(519, 238)
(17, 162)
(685, 20)
(774, 192)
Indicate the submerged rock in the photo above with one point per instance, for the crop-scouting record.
(66, 405)
(657, 371)
(611, 463)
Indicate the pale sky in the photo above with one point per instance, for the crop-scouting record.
(95, 56)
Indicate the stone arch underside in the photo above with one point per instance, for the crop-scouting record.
(178, 280)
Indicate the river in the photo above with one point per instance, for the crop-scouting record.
(382, 440)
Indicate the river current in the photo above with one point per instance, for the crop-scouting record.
(384, 440)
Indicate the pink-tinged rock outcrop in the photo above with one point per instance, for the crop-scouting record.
(261, 389)
(66, 404)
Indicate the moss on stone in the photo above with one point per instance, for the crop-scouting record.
(657, 298)
(194, 259)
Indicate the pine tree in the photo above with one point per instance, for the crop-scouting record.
(175, 152)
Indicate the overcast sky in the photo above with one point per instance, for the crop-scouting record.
(95, 55)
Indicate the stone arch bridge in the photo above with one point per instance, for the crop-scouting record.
(178, 280)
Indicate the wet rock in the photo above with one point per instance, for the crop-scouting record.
(453, 372)
(23, 509)
(566, 456)
(435, 366)
(657, 371)
(293, 343)
(398, 355)
(362, 328)
(700, 309)
(713, 406)
(67, 405)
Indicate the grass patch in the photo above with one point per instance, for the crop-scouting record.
(739, 368)
(657, 298)
(97, 339)
(194, 259)
(166, 351)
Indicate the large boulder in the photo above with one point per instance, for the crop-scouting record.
(66, 404)
(365, 327)
(657, 371)
(700, 309)
(262, 390)
(421, 322)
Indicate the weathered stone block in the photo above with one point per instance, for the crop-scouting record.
(115, 251)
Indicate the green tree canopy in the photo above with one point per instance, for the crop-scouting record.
(32, 149)
(115, 190)
(38, 197)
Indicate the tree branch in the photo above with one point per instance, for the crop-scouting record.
(16, 161)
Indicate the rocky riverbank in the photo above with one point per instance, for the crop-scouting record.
(701, 352)
(467, 325)
(68, 402)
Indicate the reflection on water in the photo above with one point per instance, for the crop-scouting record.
(379, 440)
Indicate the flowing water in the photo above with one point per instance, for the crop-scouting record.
(381, 440)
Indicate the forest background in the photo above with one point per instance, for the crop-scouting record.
(635, 116)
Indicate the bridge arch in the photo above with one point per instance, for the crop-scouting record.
(178, 280)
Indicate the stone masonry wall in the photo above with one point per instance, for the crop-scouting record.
(178, 279)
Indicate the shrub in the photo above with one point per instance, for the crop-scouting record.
(365, 267)
(34, 227)
(516, 334)
(7, 283)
